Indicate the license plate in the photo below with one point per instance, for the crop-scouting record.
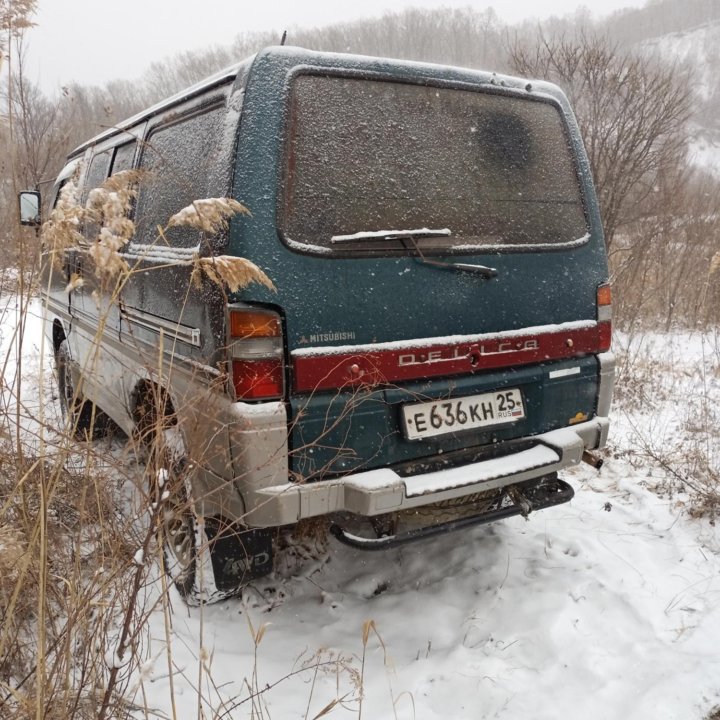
(441, 417)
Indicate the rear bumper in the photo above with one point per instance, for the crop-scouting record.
(375, 492)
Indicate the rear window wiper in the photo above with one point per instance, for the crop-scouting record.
(413, 236)
(391, 235)
(482, 270)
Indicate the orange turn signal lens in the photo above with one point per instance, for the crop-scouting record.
(253, 324)
(604, 295)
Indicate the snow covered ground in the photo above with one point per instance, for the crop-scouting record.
(21, 339)
(606, 607)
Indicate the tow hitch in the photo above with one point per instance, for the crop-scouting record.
(521, 499)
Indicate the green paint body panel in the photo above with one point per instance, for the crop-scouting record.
(391, 299)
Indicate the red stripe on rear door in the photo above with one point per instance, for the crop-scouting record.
(331, 368)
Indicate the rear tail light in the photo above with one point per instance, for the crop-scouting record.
(256, 354)
(604, 316)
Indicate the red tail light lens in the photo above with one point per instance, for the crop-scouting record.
(604, 317)
(258, 379)
(256, 354)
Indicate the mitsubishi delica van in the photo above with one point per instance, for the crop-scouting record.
(435, 350)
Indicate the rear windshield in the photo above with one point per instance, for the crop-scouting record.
(369, 156)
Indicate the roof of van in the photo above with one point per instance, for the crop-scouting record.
(219, 78)
(230, 73)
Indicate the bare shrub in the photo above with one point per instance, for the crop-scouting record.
(663, 261)
(632, 111)
(669, 399)
(660, 216)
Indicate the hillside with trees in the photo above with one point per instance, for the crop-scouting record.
(640, 82)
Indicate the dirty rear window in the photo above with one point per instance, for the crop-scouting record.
(365, 156)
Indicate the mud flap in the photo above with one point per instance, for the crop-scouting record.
(238, 554)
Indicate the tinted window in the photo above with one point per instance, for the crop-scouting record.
(367, 156)
(96, 174)
(177, 161)
(124, 155)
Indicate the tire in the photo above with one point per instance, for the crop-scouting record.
(206, 559)
(85, 419)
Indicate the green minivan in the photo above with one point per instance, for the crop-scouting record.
(436, 346)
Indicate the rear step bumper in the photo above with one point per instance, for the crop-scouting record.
(545, 494)
(380, 491)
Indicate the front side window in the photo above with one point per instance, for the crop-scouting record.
(367, 156)
(97, 173)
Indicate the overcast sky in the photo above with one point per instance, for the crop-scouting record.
(92, 41)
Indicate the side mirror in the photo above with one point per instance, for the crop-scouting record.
(29, 208)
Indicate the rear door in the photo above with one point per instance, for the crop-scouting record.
(437, 268)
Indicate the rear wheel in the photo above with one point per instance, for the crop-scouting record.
(206, 558)
(85, 419)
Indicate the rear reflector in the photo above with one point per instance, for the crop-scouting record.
(604, 336)
(256, 354)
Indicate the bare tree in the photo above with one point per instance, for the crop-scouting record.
(14, 20)
(40, 137)
(632, 111)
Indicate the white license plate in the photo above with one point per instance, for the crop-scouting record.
(440, 417)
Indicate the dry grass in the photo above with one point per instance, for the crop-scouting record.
(670, 403)
(209, 215)
(72, 599)
(80, 524)
(233, 272)
(64, 596)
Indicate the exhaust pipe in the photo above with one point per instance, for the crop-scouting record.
(592, 459)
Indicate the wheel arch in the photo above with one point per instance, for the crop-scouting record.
(150, 401)
(155, 407)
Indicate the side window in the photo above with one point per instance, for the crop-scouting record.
(123, 159)
(176, 163)
(97, 173)
(68, 173)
